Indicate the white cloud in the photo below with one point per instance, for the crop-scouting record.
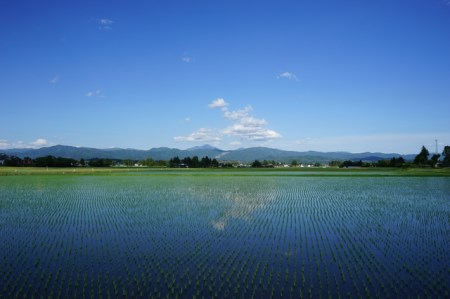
(244, 126)
(237, 114)
(287, 75)
(187, 119)
(4, 143)
(218, 103)
(54, 80)
(97, 94)
(38, 143)
(235, 143)
(253, 122)
(186, 59)
(253, 133)
(105, 24)
(202, 135)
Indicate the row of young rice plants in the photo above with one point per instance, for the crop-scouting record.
(223, 236)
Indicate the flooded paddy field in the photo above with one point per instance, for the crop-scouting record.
(207, 236)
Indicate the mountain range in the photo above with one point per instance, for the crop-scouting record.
(165, 153)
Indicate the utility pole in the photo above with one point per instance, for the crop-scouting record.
(436, 146)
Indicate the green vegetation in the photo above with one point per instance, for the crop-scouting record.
(302, 172)
(422, 158)
(446, 154)
(51, 161)
(193, 162)
(257, 164)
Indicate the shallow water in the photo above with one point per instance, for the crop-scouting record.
(224, 236)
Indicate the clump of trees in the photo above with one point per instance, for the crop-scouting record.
(350, 163)
(11, 160)
(264, 163)
(257, 164)
(393, 162)
(446, 154)
(153, 163)
(422, 159)
(193, 162)
(50, 161)
(100, 162)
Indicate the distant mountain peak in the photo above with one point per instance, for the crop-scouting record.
(202, 147)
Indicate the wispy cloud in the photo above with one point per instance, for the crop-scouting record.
(288, 75)
(54, 80)
(38, 143)
(218, 103)
(95, 94)
(202, 135)
(105, 24)
(186, 59)
(4, 143)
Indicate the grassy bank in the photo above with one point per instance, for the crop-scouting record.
(420, 172)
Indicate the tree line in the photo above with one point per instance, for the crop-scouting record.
(422, 159)
(48, 161)
(51, 161)
(193, 162)
(393, 162)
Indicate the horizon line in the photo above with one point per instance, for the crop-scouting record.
(204, 145)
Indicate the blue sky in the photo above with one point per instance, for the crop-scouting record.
(324, 75)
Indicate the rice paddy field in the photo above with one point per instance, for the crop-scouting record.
(212, 235)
